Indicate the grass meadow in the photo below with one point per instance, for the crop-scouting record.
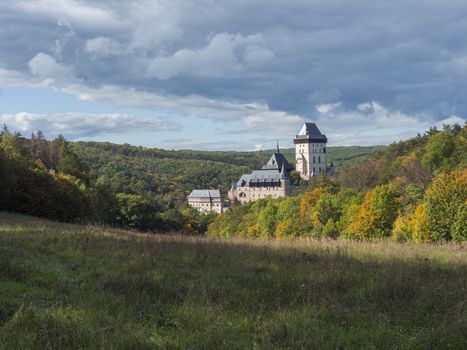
(79, 287)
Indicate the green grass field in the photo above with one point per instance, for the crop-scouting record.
(76, 287)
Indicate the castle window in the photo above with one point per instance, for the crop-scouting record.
(319, 159)
(314, 159)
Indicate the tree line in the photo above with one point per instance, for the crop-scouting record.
(50, 179)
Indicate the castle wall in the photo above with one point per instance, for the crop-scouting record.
(249, 194)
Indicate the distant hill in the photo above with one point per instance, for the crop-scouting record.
(339, 155)
(150, 170)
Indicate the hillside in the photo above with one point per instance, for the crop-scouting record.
(72, 287)
(147, 170)
(414, 189)
(411, 190)
(339, 156)
(118, 185)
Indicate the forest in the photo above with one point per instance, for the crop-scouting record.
(121, 185)
(397, 191)
(411, 190)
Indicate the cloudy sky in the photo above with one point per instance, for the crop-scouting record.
(226, 75)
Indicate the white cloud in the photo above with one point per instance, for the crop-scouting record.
(155, 22)
(255, 54)
(454, 119)
(72, 12)
(371, 123)
(272, 123)
(46, 67)
(225, 55)
(47, 72)
(103, 47)
(12, 78)
(327, 108)
(81, 125)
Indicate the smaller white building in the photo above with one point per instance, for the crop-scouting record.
(206, 201)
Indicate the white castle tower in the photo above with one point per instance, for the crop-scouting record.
(310, 151)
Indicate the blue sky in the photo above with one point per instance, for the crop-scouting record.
(232, 75)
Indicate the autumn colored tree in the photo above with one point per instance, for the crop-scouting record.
(309, 200)
(401, 230)
(418, 224)
(377, 213)
(446, 196)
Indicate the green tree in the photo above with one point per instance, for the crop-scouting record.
(266, 223)
(438, 151)
(459, 228)
(445, 197)
(136, 212)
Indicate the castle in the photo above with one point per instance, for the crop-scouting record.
(310, 151)
(273, 180)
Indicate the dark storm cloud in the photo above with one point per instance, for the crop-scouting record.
(291, 56)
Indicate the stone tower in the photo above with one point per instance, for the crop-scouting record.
(310, 151)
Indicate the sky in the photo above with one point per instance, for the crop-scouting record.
(232, 75)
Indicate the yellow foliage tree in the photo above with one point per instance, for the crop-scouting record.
(377, 213)
(309, 200)
(401, 231)
(418, 224)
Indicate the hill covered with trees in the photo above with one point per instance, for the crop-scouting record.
(169, 176)
(120, 185)
(414, 189)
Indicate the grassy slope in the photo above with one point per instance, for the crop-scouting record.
(64, 286)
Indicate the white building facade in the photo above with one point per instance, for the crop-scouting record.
(310, 151)
(206, 201)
